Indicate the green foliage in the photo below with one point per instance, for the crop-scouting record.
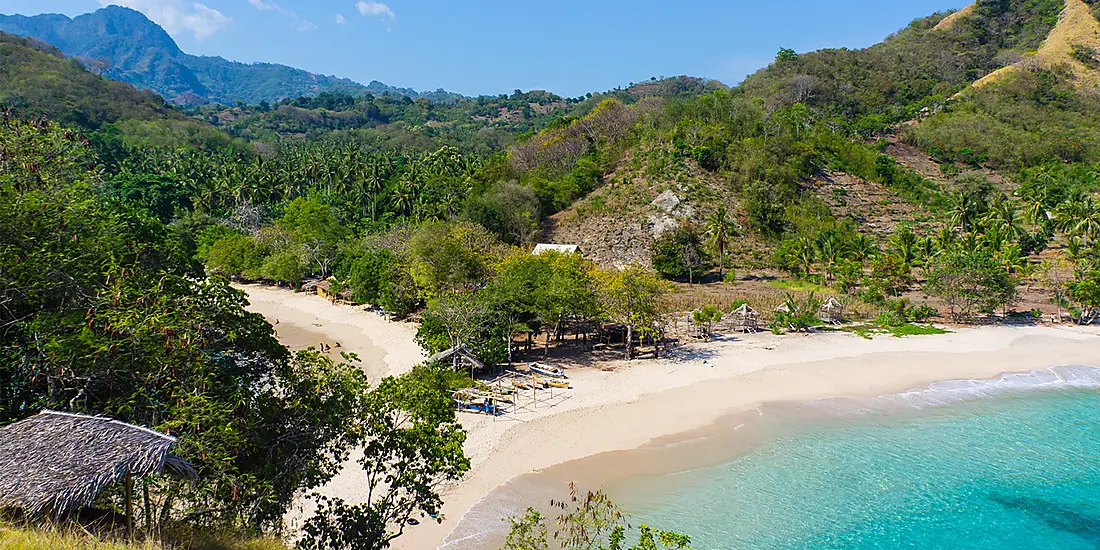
(705, 318)
(680, 252)
(764, 205)
(368, 275)
(906, 72)
(890, 275)
(508, 210)
(449, 257)
(237, 255)
(106, 300)
(1024, 120)
(586, 522)
(971, 281)
(412, 445)
(785, 55)
(284, 268)
(799, 313)
(634, 298)
(38, 80)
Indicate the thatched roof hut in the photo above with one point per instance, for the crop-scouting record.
(746, 319)
(456, 354)
(54, 462)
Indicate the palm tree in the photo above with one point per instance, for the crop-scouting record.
(1004, 216)
(807, 254)
(719, 230)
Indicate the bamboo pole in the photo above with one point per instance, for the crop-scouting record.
(129, 505)
(148, 511)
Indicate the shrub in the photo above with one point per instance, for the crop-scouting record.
(679, 253)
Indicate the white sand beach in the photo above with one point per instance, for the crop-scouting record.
(625, 405)
(303, 319)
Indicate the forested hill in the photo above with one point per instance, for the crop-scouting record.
(37, 79)
(920, 66)
(125, 45)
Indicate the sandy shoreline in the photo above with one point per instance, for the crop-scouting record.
(623, 406)
(650, 400)
(384, 347)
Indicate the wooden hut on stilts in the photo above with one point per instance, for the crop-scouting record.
(55, 463)
(746, 319)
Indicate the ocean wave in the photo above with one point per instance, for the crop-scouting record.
(949, 392)
(482, 523)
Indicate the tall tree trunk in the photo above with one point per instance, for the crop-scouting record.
(629, 342)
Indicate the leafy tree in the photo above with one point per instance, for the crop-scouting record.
(412, 448)
(283, 267)
(786, 55)
(104, 313)
(632, 297)
(368, 274)
(462, 319)
(705, 318)
(970, 281)
(889, 275)
(449, 257)
(314, 228)
(680, 252)
(764, 205)
(586, 522)
(236, 254)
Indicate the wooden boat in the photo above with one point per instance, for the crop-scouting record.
(553, 372)
(553, 382)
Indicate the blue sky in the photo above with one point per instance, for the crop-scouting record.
(495, 46)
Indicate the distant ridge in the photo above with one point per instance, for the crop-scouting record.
(123, 44)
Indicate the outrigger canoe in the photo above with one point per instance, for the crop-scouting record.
(552, 382)
(553, 372)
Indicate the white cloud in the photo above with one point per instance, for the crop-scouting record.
(340, 19)
(264, 6)
(178, 16)
(375, 9)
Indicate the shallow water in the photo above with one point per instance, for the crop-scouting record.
(1012, 463)
(1007, 464)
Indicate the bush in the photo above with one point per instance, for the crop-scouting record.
(730, 276)
(679, 253)
(236, 255)
(368, 274)
(284, 267)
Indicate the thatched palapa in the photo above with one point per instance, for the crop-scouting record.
(456, 354)
(53, 463)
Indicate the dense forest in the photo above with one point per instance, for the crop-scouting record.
(123, 221)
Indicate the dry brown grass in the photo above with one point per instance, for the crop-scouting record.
(950, 21)
(1076, 27)
(13, 538)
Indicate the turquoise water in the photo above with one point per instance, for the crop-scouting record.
(1006, 464)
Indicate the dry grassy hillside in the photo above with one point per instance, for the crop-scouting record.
(1074, 43)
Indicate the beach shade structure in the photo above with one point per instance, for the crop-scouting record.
(746, 319)
(783, 308)
(832, 311)
(55, 463)
(456, 355)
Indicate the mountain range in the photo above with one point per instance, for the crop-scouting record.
(122, 44)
